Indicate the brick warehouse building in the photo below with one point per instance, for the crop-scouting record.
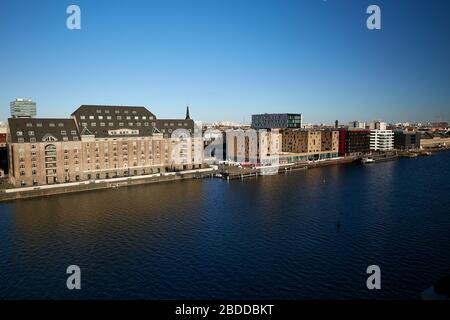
(252, 146)
(303, 145)
(354, 142)
(99, 142)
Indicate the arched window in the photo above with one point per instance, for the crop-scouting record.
(49, 138)
(50, 147)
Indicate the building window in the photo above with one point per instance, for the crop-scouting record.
(63, 132)
(60, 124)
(73, 132)
(19, 133)
(49, 138)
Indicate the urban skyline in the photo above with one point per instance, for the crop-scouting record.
(248, 118)
(219, 158)
(231, 60)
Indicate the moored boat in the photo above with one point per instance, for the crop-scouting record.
(367, 160)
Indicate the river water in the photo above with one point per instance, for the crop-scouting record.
(302, 235)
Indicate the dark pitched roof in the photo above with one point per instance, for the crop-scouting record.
(167, 126)
(431, 135)
(100, 120)
(42, 129)
(91, 109)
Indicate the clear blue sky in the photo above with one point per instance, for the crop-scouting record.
(228, 59)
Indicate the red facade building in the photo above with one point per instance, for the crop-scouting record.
(354, 142)
(2, 140)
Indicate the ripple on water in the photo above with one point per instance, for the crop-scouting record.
(300, 235)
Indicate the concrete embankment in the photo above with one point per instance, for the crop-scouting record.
(318, 164)
(231, 172)
(48, 190)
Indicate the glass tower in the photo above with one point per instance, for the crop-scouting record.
(23, 108)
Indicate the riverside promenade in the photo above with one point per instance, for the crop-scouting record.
(227, 172)
(98, 184)
(233, 172)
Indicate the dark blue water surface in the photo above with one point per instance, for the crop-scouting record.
(271, 237)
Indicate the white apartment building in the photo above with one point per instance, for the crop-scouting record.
(377, 125)
(381, 140)
(357, 125)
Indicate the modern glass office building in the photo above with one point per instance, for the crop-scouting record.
(23, 108)
(276, 120)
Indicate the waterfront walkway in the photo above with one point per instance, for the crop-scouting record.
(233, 172)
(44, 190)
(225, 172)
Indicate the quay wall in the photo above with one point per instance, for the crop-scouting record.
(42, 191)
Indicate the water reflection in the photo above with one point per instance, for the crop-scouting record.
(275, 236)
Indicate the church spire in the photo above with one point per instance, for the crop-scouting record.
(187, 113)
